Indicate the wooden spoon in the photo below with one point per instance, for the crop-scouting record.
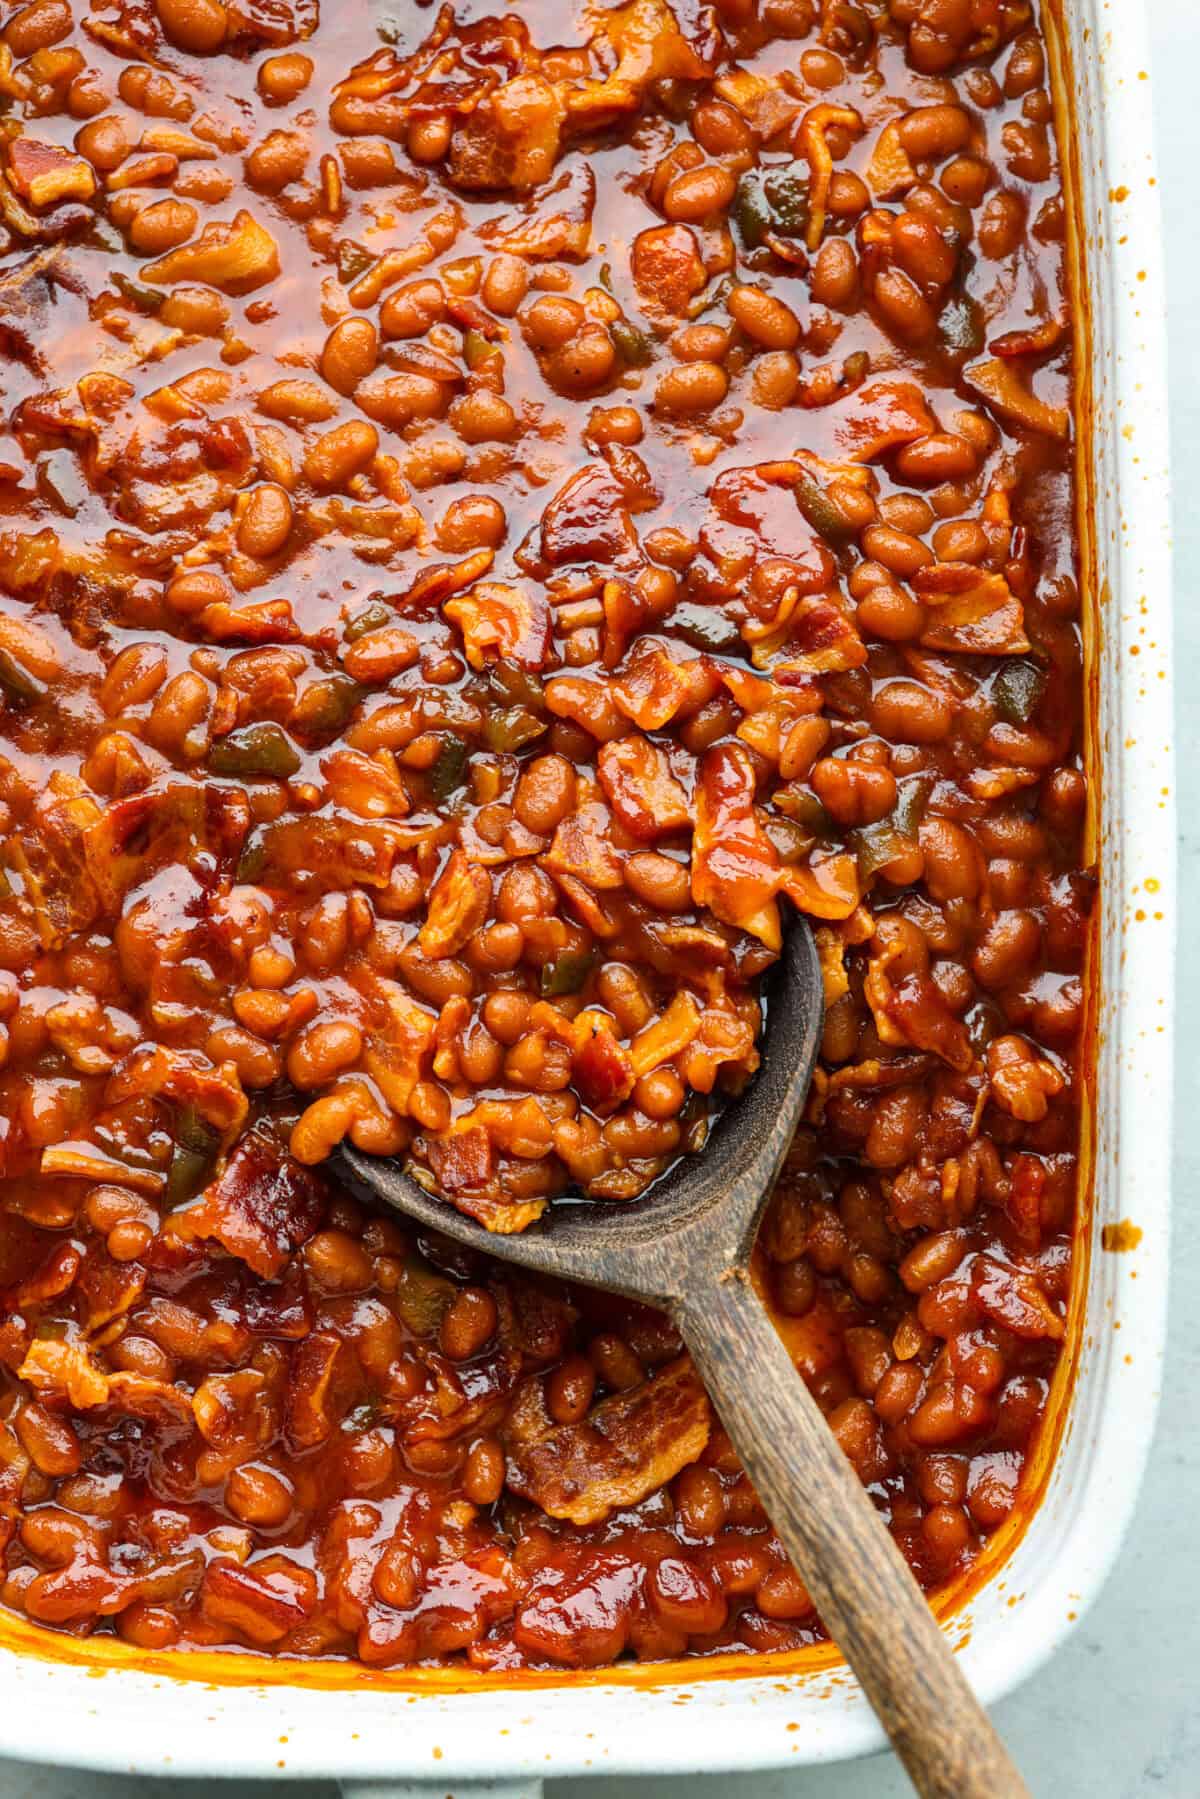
(685, 1247)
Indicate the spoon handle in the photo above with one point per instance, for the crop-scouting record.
(843, 1551)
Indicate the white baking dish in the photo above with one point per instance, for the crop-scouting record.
(373, 1730)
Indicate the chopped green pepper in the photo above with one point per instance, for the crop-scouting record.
(605, 277)
(325, 706)
(705, 627)
(1017, 690)
(17, 683)
(477, 349)
(877, 845)
(821, 512)
(512, 728)
(252, 860)
(787, 196)
(373, 617)
(148, 298)
(352, 261)
(263, 751)
(196, 1147)
(751, 210)
(806, 809)
(634, 347)
(448, 769)
(568, 972)
(911, 801)
(790, 840)
(516, 686)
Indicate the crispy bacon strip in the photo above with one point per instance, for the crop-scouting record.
(627, 1446)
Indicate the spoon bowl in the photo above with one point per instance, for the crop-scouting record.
(705, 1210)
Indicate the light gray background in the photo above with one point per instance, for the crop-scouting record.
(1117, 1713)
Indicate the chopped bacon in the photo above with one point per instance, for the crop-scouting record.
(582, 847)
(458, 906)
(262, 1206)
(603, 1069)
(643, 793)
(735, 869)
(881, 417)
(667, 269)
(970, 611)
(502, 622)
(655, 688)
(261, 1602)
(754, 514)
(627, 1446)
(588, 521)
(462, 1160)
(1012, 1298)
(1006, 391)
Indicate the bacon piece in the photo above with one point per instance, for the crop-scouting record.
(462, 1160)
(263, 1601)
(628, 1446)
(641, 789)
(318, 1390)
(588, 521)
(261, 1207)
(503, 623)
(970, 611)
(753, 513)
(582, 847)
(873, 420)
(1012, 1298)
(235, 257)
(655, 688)
(45, 173)
(825, 638)
(602, 1069)
(735, 870)
(667, 269)
(458, 906)
(1002, 385)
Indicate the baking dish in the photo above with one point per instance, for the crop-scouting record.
(160, 1715)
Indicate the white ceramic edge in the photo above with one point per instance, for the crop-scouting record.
(143, 1723)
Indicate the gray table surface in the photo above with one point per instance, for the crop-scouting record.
(1117, 1713)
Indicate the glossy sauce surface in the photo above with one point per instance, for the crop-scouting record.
(494, 511)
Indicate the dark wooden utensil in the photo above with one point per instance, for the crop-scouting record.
(685, 1246)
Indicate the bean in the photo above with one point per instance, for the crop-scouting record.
(930, 133)
(468, 1323)
(693, 387)
(904, 712)
(198, 26)
(898, 551)
(349, 353)
(698, 193)
(764, 318)
(476, 521)
(339, 454)
(265, 523)
(483, 1476)
(904, 308)
(835, 274)
(284, 77)
(162, 226)
(323, 1051)
(37, 26)
(104, 141)
(412, 309)
(337, 1262)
